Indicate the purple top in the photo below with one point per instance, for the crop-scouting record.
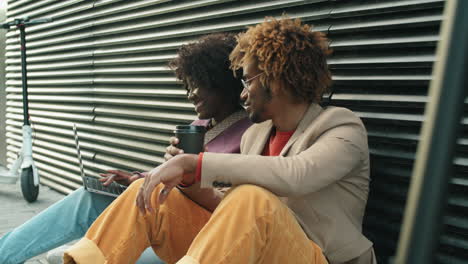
(228, 141)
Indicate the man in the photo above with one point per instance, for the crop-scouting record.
(299, 186)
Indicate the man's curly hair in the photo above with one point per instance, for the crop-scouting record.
(205, 63)
(288, 51)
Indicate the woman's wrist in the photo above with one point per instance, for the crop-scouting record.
(138, 174)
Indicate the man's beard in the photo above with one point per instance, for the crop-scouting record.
(256, 116)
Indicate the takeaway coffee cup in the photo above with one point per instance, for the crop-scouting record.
(190, 137)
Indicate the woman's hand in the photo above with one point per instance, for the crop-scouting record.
(119, 176)
(172, 150)
(170, 173)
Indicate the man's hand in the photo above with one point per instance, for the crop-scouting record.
(119, 176)
(172, 150)
(170, 173)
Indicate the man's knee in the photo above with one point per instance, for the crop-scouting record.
(252, 195)
(251, 190)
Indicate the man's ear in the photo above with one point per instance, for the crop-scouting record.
(277, 87)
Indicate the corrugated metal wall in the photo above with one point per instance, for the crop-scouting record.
(2, 88)
(103, 65)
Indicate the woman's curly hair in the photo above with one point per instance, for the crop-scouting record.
(288, 51)
(205, 63)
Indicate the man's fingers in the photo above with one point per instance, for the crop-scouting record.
(164, 193)
(147, 200)
(139, 200)
(141, 195)
(148, 191)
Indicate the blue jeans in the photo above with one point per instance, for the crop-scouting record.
(64, 221)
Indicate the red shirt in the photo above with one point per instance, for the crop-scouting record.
(277, 142)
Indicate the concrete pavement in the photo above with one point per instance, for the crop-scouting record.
(14, 210)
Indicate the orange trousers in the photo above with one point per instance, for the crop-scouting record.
(250, 225)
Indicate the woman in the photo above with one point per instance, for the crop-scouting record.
(203, 67)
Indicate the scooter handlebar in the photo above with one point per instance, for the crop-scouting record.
(26, 22)
(38, 21)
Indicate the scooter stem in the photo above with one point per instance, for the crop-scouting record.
(24, 75)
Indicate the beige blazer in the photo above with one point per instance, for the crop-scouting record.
(322, 174)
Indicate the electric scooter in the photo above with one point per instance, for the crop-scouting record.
(25, 162)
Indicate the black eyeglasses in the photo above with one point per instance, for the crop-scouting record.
(247, 82)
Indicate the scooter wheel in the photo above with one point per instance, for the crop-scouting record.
(30, 192)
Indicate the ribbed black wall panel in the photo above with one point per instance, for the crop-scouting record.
(103, 65)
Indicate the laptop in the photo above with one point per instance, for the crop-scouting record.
(92, 184)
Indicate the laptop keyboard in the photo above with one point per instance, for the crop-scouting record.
(94, 183)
